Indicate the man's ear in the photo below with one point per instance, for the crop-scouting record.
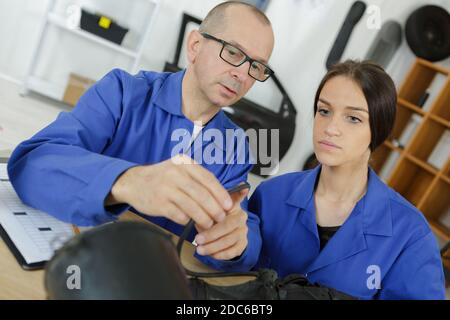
(193, 45)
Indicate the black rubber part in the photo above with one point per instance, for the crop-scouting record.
(428, 33)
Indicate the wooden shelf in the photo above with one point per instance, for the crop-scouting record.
(440, 107)
(424, 165)
(417, 82)
(439, 230)
(440, 120)
(436, 203)
(406, 124)
(432, 66)
(446, 171)
(411, 180)
(391, 146)
(446, 179)
(420, 130)
(411, 106)
(428, 137)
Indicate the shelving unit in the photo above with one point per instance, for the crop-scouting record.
(60, 22)
(55, 90)
(413, 176)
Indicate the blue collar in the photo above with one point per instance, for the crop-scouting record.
(377, 216)
(169, 98)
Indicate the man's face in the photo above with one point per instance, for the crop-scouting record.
(222, 83)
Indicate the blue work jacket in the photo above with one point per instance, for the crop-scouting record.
(68, 168)
(384, 250)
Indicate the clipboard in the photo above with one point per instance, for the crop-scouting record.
(12, 247)
(16, 253)
(34, 264)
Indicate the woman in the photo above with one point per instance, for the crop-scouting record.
(339, 224)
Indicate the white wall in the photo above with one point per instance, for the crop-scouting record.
(305, 31)
(62, 51)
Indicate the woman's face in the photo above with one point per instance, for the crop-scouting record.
(341, 125)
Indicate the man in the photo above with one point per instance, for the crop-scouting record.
(115, 149)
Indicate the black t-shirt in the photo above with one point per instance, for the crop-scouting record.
(325, 234)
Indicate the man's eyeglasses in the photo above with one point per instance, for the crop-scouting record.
(236, 57)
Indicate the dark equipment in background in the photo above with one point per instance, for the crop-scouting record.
(124, 260)
(102, 26)
(386, 43)
(428, 33)
(248, 114)
(353, 17)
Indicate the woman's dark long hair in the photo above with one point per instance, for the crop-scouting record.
(379, 91)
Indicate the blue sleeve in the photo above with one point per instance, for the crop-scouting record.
(248, 259)
(417, 273)
(255, 206)
(61, 170)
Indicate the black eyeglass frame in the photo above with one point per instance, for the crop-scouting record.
(247, 58)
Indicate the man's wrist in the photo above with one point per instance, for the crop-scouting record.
(117, 195)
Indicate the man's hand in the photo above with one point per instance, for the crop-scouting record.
(178, 189)
(227, 239)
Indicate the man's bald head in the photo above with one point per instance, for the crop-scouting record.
(216, 19)
(235, 26)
